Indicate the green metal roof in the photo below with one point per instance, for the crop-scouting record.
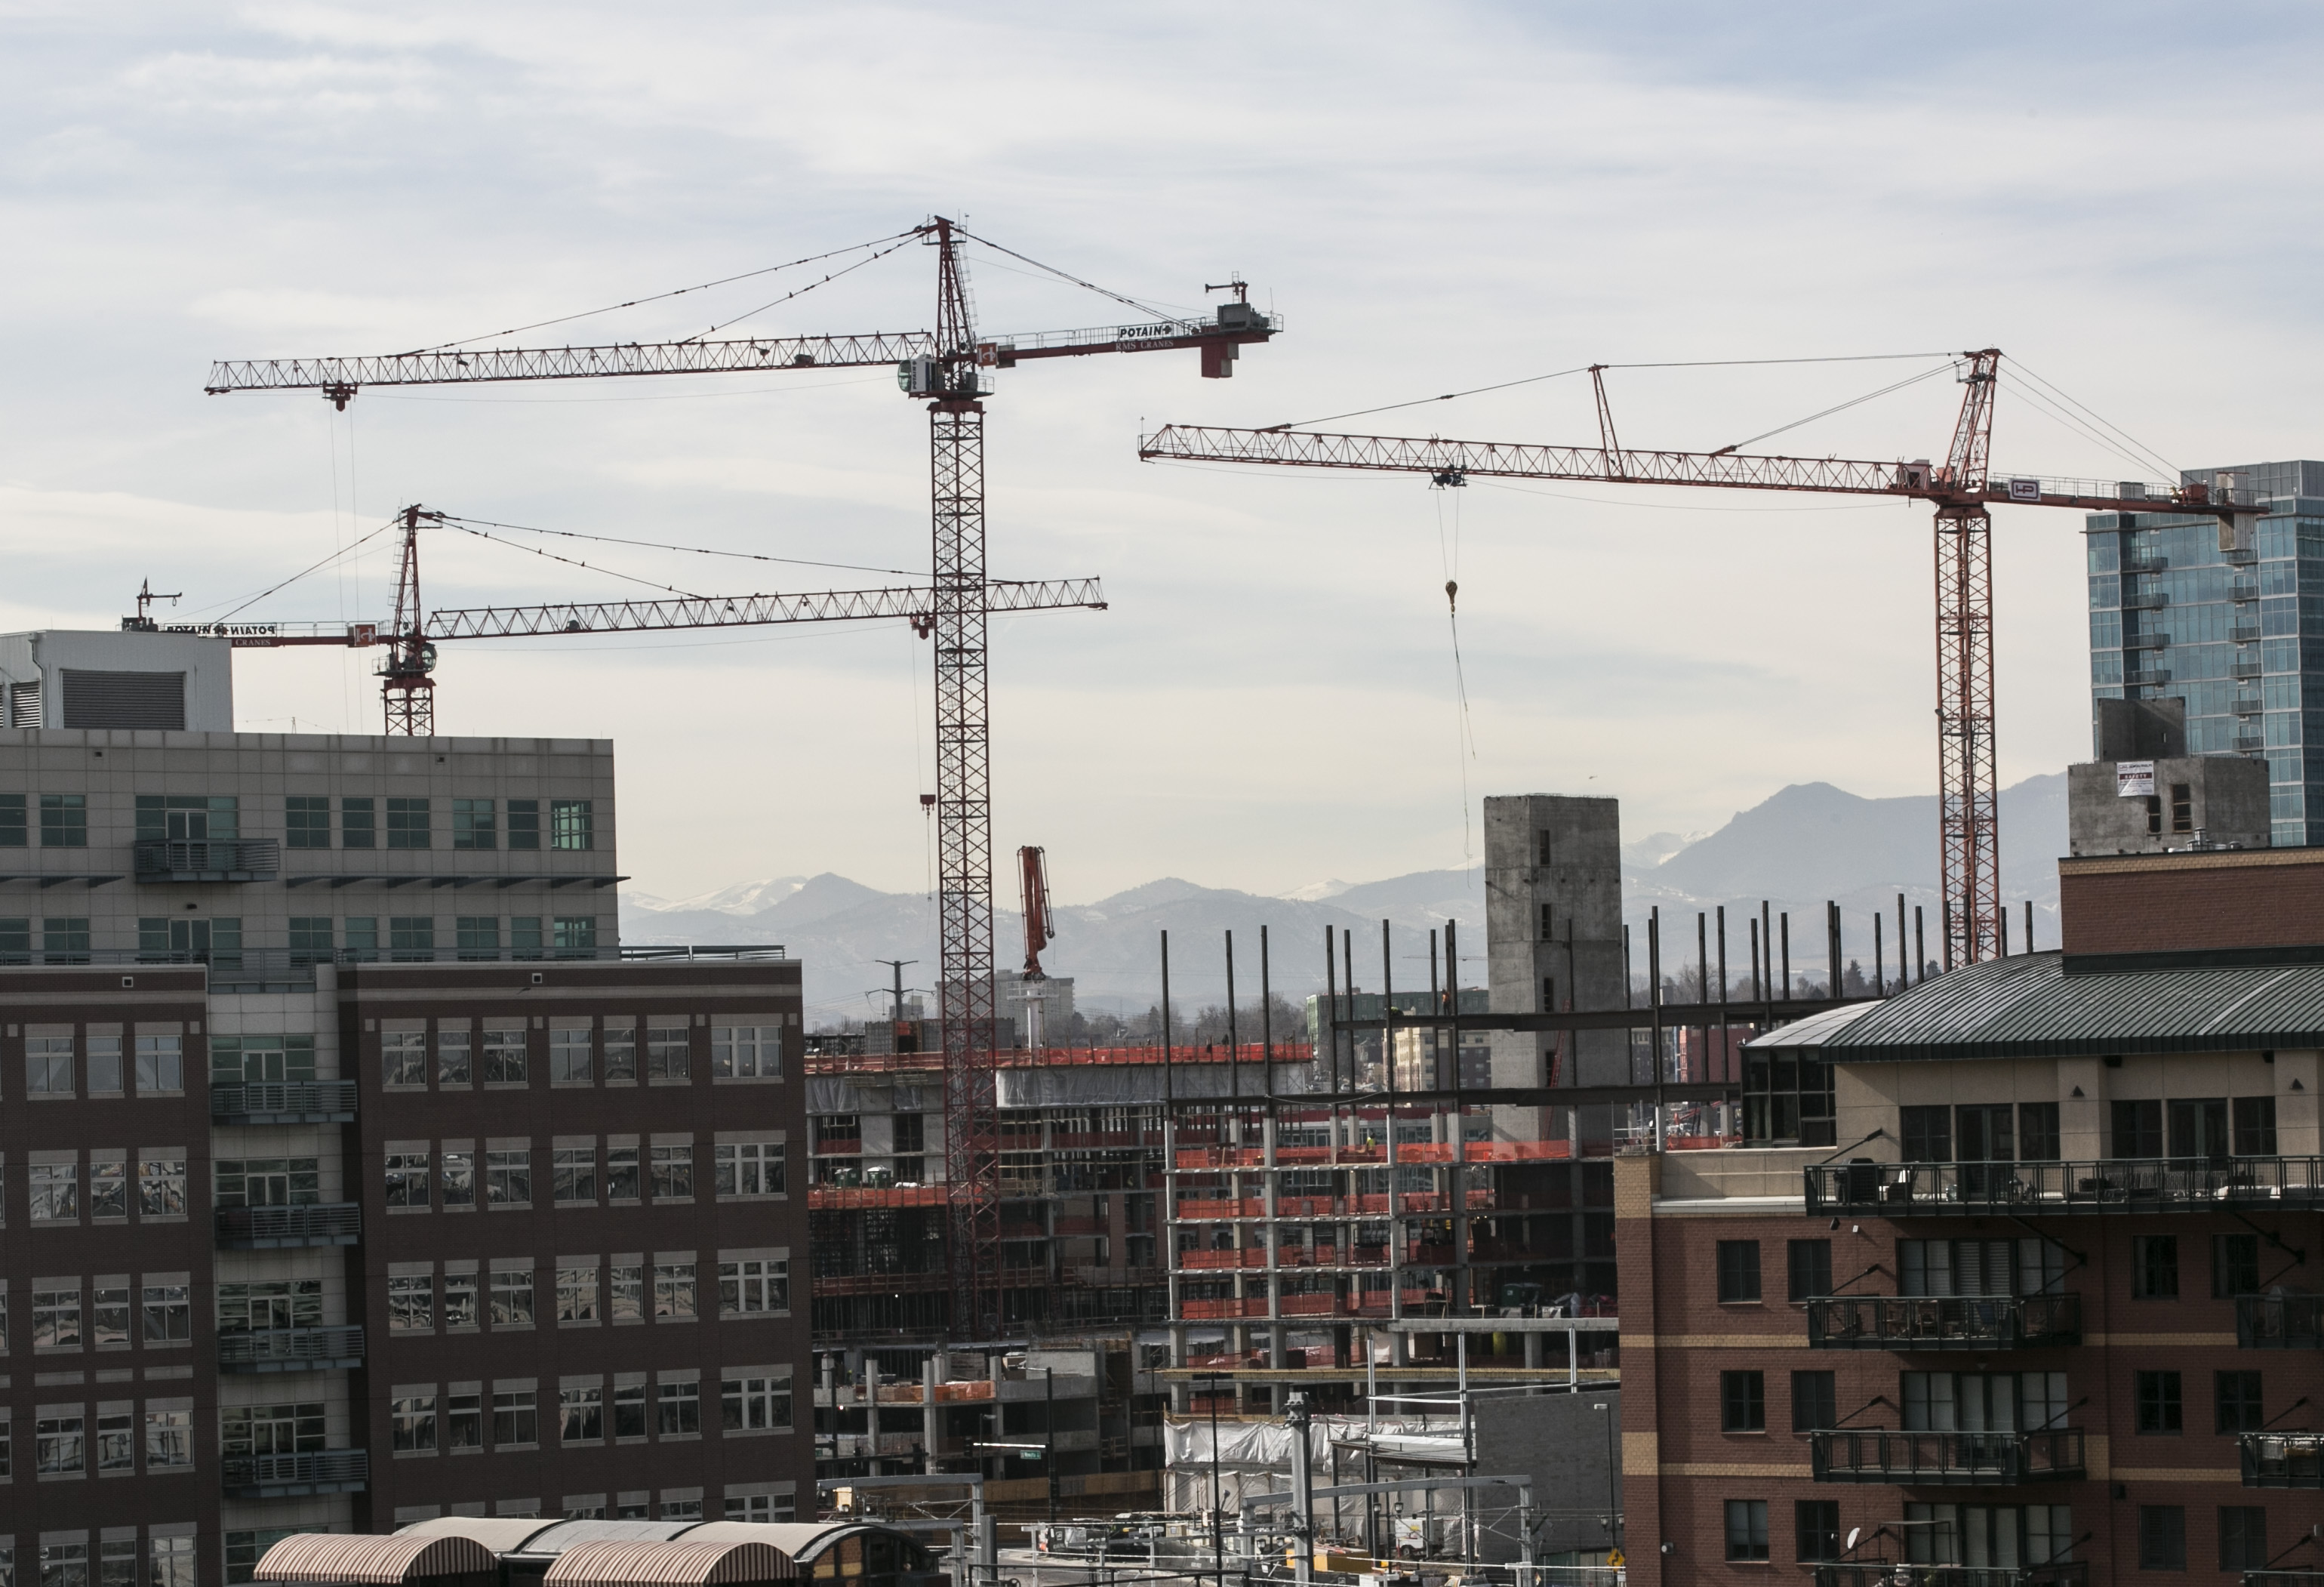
(2027, 1007)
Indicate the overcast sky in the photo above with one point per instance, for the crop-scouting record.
(1436, 197)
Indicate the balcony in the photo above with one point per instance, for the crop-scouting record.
(2244, 666)
(2240, 556)
(2280, 1322)
(279, 1228)
(2247, 705)
(2145, 600)
(291, 1350)
(2147, 677)
(2246, 742)
(1948, 1460)
(2152, 639)
(1894, 1322)
(248, 859)
(2145, 564)
(2283, 1459)
(2245, 633)
(1886, 1573)
(295, 1476)
(284, 1101)
(2284, 1579)
(2243, 589)
(2140, 1185)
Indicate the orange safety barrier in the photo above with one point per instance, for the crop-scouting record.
(837, 1198)
(1248, 1052)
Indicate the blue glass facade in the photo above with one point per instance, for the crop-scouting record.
(2238, 634)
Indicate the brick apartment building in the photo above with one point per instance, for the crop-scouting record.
(2048, 1310)
(351, 1173)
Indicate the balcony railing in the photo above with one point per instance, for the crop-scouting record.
(2244, 742)
(2280, 1322)
(291, 1350)
(1899, 1574)
(2139, 1185)
(2282, 1459)
(2247, 705)
(275, 1228)
(293, 1476)
(2243, 589)
(2243, 634)
(1894, 1322)
(2145, 600)
(2284, 1579)
(284, 1101)
(2246, 668)
(1962, 1460)
(247, 858)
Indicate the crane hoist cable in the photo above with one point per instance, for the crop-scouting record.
(696, 551)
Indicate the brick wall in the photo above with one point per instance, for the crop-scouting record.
(2158, 903)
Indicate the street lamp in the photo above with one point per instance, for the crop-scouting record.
(1613, 1513)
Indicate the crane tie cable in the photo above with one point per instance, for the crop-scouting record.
(571, 534)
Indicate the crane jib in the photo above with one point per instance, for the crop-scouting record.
(914, 602)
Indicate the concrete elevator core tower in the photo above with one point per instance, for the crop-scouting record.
(1553, 938)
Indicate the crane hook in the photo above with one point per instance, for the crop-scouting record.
(1452, 593)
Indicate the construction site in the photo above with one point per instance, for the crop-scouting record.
(1338, 1301)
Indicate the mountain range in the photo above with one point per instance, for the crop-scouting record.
(1806, 843)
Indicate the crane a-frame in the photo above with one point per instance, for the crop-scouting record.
(1959, 488)
(946, 369)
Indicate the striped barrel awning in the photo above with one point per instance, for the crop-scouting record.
(340, 1558)
(675, 1564)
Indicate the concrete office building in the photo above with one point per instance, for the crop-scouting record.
(2234, 630)
(2050, 1317)
(353, 1173)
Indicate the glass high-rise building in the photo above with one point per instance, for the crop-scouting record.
(2237, 632)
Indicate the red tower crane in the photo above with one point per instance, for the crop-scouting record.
(1959, 489)
(943, 368)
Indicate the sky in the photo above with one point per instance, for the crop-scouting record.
(1434, 197)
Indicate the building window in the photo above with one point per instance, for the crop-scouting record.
(505, 1058)
(516, 1419)
(453, 1056)
(411, 936)
(1928, 1134)
(265, 1304)
(753, 1404)
(582, 1414)
(188, 818)
(621, 1053)
(2154, 1267)
(161, 1065)
(64, 939)
(625, 1293)
(271, 1429)
(460, 1310)
(474, 825)
(170, 1561)
(359, 823)
(412, 1303)
(747, 1052)
(576, 1296)
(673, 1172)
(1787, 1099)
(408, 1180)
(1811, 1268)
(751, 1168)
(679, 1407)
(673, 1298)
(109, 1189)
(360, 936)
(2137, 1128)
(2037, 1132)
(463, 1422)
(310, 939)
(56, 1318)
(569, 1059)
(524, 937)
(621, 1174)
(573, 1176)
(48, 1065)
(161, 1186)
(105, 1065)
(268, 1182)
(753, 1287)
(13, 827)
(629, 1411)
(408, 825)
(1815, 1401)
(573, 935)
(2162, 1537)
(1738, 1271)
(1742, 1402)
(1984, 1132)
(478, 937)
(2158, 1402)
(2242, 1537)
(459, 1179)
(56, 1193)
(2238, 1395)
(2234, 1265)
(2255, 1126)
(258, 1060)
(412, 1417)
(307, 822)
(59, 1445)
(667, 1051)
(1747, 1528)
(572, 824)
(64, 821)
(508, 1178)
(16, 940)
(170, 1440)
(524, 824)
(168, 1313)
(403, 1060)
(116, 1451)
(512, 1297)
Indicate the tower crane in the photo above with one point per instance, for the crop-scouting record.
(945, 368)
(1959, 489)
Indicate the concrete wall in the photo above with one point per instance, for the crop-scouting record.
(1564, 854)
(2227, 795)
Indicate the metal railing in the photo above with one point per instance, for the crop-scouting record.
(284, 1102)
(2284, 1579)
(2280, 1322)
(290, 1476)
(1902, 1574)
(274, 1228)
(2282, 1459)
(2137, 1184)
(1964, 1322)
(1947, 1459)
(230, 859)
(291, 1350)
(229, 965)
